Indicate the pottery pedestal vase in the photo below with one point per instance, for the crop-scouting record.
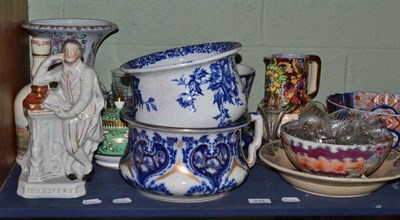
(88, 32)
(41, 48)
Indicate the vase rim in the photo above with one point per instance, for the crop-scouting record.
(70, 24)
(287, 56)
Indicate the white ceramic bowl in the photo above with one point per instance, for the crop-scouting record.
(188, 165)
(194, 86)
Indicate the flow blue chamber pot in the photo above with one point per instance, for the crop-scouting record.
(188, 165)
(196, 86)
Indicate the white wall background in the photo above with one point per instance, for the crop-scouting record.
(357, 40)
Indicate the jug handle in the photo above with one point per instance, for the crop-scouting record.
(313, 87)
(257, 139)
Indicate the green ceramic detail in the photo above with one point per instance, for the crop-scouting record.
(115, 134)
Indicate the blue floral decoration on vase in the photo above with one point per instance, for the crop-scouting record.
(140, 103)
(221, 80)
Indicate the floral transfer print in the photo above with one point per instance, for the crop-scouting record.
(150, 104)
(285, 82)
(220, 80)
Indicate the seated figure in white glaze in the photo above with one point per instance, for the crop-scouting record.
(78, 102)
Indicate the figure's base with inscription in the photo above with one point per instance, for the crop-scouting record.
(43, 165)
(60, 187)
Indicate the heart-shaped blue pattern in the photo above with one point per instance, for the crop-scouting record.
(211, 161)
(148, 160)
(150, 157)
(208, 160)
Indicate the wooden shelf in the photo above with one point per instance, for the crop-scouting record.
(14, 74)
(262, 183)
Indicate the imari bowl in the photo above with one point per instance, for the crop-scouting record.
(188, 165)
(195, 86)
(385, 105)
(336, 160)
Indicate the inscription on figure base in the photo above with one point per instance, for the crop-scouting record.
(51, 188)
(42, 174)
